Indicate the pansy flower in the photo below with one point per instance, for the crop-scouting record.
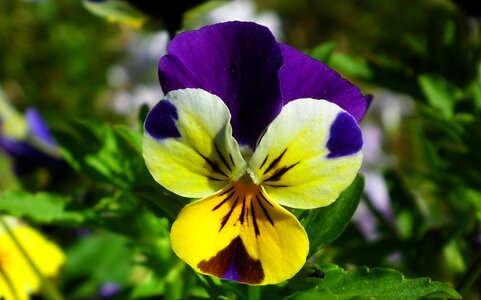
(30, 144)
(17, 278)
(250, 127)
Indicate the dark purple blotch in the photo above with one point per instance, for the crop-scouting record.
(345, 136)
(161, 121)
(234, 263)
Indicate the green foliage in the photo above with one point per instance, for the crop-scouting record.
(97, 150)
(376, 283)
(115, 10)
(54, 56)
(324, 225)
(42, 208)
(103, 258)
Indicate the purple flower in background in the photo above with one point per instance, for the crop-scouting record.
(109, 289)
(249, 125)
(37, 149)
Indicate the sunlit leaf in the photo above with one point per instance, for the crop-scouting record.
(326, 224)
(323, 51)
(376, 283)
(116, 11)
(42, 207)
(97, 150)
(439, 93)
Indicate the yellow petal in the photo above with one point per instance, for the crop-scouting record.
(16, 273)
(308, 155)
(188, 145)
(240, 234)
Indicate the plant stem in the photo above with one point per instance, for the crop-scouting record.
(470, 277)
(253, 293)
(208, 284)
(49, 290)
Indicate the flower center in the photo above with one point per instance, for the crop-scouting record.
(243, 203)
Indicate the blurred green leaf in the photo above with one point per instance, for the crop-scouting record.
(323, 51)
(167, 202)
(354, 66)
(131, 136)
(12, 123)
(42, 207)
(103, 153)
(326, 224)
(96, 260)
(195, 16)
(439, 93)
(115, 11)
(375, 283)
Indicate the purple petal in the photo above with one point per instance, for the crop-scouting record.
(38, 127)
(304, 77)
(26, 157)
(160, 122)
(345, 136)
(237, 61)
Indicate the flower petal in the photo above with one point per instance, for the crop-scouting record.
(309, 154)
(37, 126)
(188, 146)
(237, 61)
(47, 256)
(240, 234)
(304, 77)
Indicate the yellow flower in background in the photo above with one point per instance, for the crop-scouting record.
(17, 278)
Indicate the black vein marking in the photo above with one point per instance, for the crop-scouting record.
(254, 220)
(226, 191)
(279, 172)
(247, 214)
(224, 201)
(226, 217)
(213, 178)
(275, 185)
(213, 165)
(275, 162)
(265, 199)
(242, 215)
(222, 158)
(231, 159)
(264, 162)
(265, 211)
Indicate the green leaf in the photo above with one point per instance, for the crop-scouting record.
(439, 93)
(195, 17)
(115, 11)
(13, 123)
(323, 51)
(326, 224)
(375, 283)
(353, 66)
(169, 203)
(103, 153)
(96, 260)
(41, 207)
(131, 136)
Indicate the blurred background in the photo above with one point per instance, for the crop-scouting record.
(97, 60)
